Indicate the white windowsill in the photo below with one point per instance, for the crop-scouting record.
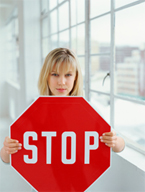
(13, 84)
(134, 157)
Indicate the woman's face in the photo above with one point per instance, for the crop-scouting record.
(61, 83)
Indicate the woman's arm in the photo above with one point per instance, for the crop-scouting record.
(112, 140)
(10, 146)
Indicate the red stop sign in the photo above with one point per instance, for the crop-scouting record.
(61, 149)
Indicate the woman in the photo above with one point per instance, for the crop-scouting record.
(61, 76)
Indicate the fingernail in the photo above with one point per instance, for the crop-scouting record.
(103, 133)
(101, 140)
(106, 144)
(19, 148)
(20, 144)
(101, 137)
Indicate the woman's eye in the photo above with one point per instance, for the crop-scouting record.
(68, 75)
(54, 74)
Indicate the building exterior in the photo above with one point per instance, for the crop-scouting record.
(130, 73)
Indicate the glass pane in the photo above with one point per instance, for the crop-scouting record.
(64, 39)
(60, 1)
(63, 16)
(45, 47)
(9, 31)
(73, 12)
(16, 27)
(82, 64)
(52, 4)
(130, 121)
(99, 68)
(130, 52)
(119, 3)
(11, 49)
(74, 39)
(129, 27)
(54, 41)
(44, 6)
(81, 39)
(100, 35)
(98, 7)
(101, 104)
(53, 22)
(80, 11)
(9, 46)
(12, 66)
(45, 27)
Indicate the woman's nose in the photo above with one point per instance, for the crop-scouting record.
(61, 80)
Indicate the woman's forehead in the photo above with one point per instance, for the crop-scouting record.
(63, 67)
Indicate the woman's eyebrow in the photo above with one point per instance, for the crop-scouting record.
(66, 72)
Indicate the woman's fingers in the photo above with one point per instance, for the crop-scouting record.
(7, 141)
(109, 138)
(110, 134)
(11, 151)
(11, 146)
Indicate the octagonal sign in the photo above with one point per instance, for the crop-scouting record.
(61, 150)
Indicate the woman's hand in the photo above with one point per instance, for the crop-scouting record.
(11, 146)
(112, 140)
(109, 138)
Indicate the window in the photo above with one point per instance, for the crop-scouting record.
(130, 72)
(100, 45)
(12, 47)
(115, 72)
(63, 28)
(63, 18)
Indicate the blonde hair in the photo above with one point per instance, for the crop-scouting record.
(60, 57)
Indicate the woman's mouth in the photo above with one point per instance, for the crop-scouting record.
(61, 90)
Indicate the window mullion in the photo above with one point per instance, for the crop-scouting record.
(69, 24)
(57, 24)
(49, 30)
(87, 50)
(112, 64)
